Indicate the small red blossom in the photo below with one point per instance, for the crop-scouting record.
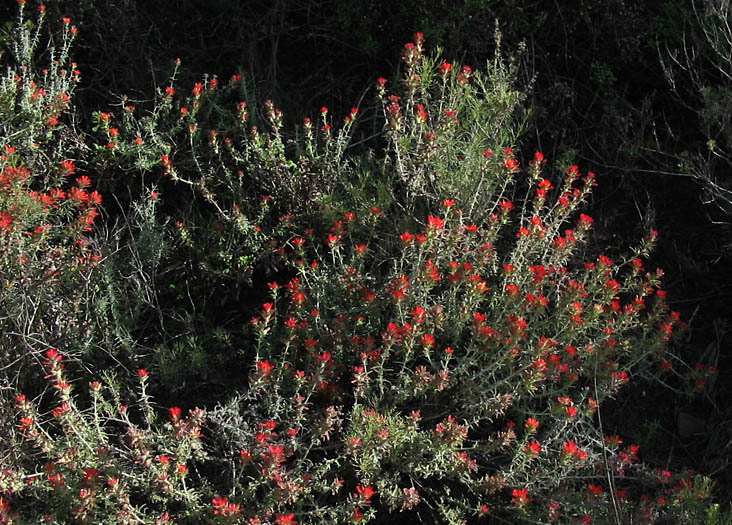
(63, 408)
(68, 167)
(264, 367)
(506, 206)
(531, 424)
(435, 223)
(53, 356)
(175, 413)
(520, 497)
(586, 220)
(285, 519)
(222, 507)
(365, 493)
(533, 448)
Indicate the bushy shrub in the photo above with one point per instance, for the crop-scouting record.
(47, 202)
(440, 344)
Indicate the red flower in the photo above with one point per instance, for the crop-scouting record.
(399, 286)
(533, 448)
(53, 355)
(595, 490)
(68, 167)
(604, 261)
(505, 206)
(531, 424)
(265, 367)
(223, 507)
(366, 492)
(60, 410)
(520, 497)
(569, 448)
(175, 413)
(586, 220)
(435, 223)
(418, 314)
(285, 519)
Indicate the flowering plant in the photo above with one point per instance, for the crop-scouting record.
(445, 353)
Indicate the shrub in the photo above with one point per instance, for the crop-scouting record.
(446, 355)
(47, 203)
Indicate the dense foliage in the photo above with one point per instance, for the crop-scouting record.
(214, 310)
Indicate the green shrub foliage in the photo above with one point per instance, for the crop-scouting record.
(428, 336)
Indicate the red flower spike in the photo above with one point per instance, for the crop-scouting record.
(520, 497)
(366, 492)
(53, 355)
(264, 367)
(533, 448)
(175, 413)
(435, 223)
